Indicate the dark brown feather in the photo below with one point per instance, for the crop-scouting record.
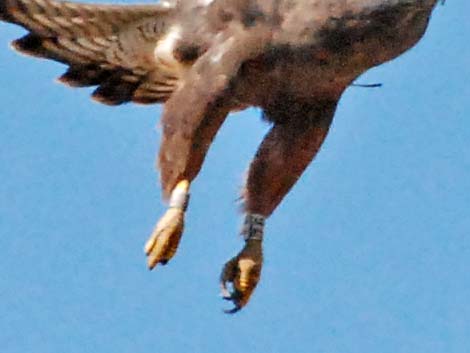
(84, 75)
(4, 11)
(114, 90)
(86, 37)
(32, 44)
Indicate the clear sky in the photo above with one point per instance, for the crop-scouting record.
(369, 253)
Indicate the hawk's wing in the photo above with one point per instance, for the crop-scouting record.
(112, 47)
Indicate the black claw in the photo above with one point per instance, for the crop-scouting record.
(233, 311)
(233, 297)
(163, 262)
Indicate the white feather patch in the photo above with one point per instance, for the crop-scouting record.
(166, 45)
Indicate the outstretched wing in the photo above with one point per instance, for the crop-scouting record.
(109, 46)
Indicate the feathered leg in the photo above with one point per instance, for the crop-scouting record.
(191, 119)
(181, 156)
(298, 132)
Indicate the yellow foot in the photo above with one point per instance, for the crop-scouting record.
(165, 238)
(244, 272)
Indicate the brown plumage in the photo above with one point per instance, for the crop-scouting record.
(204, 59)
(105, 45)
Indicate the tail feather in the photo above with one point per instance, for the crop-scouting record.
(4, 12)
(32, 44)
(84, 76)
(49, 17)
(115, 89)
(104, 45)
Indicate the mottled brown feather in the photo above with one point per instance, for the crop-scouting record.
(85, 75)
(87, 38)
(114, 90)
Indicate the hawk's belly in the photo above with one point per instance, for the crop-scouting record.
(322, 56)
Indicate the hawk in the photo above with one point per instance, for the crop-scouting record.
(206, 58)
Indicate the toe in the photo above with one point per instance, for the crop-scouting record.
(165, 238)
(150, 243)
(228, 275)
(243, 274)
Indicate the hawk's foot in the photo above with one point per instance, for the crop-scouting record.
(165, 238)
(244, 270)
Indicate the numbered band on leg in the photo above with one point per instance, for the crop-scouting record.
(253, 227)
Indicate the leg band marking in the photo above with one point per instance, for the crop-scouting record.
(179, 199)
(253, 227)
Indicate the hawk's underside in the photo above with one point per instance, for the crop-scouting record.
(206, 58)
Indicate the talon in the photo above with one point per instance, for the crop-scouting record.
(243, 272)
(165, 238)
(233, 310)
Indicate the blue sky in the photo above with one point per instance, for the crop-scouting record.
(369, 253)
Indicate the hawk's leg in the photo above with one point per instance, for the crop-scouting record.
(192, 116)
(181, 156)
(294, 140)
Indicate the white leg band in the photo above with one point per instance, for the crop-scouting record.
(179, 199)
(253, 227)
